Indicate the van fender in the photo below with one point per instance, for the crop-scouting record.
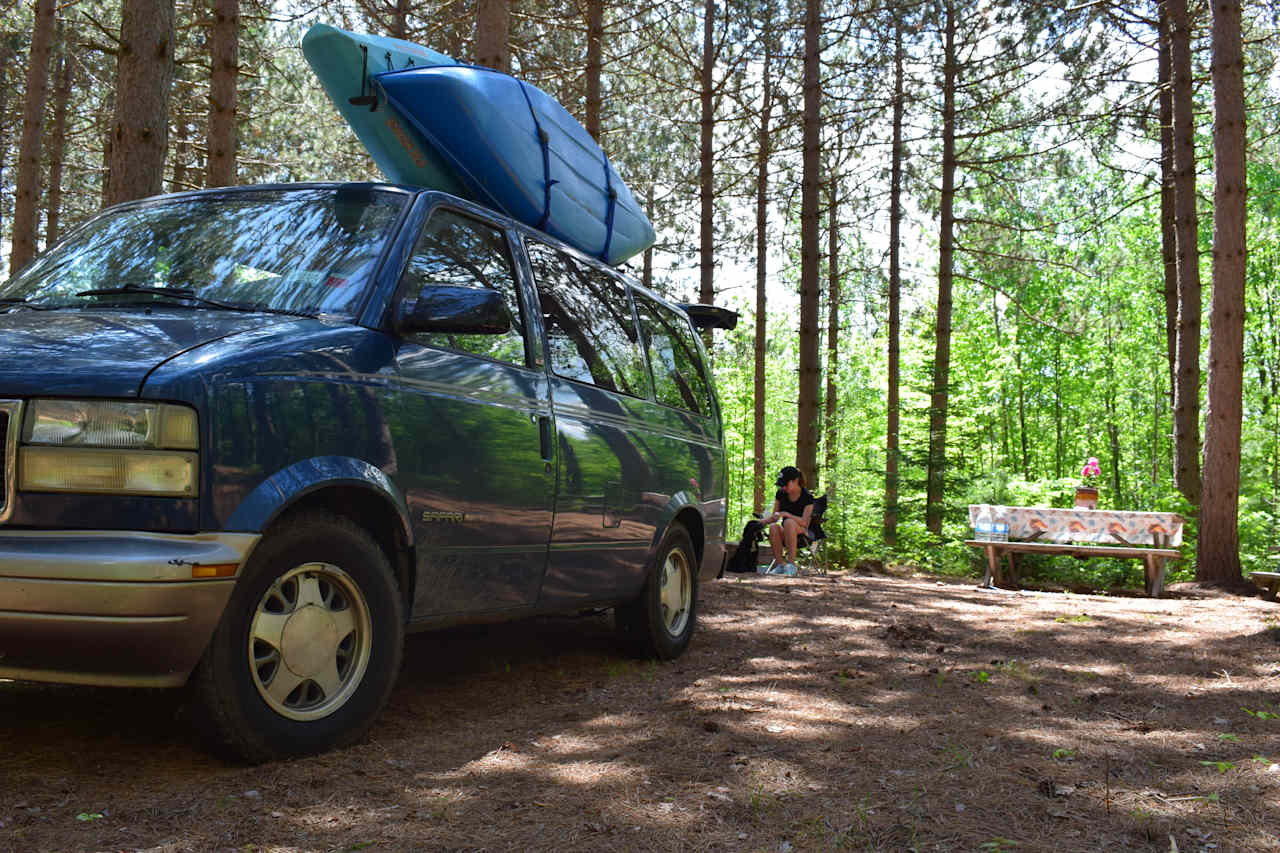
(286, 487)
(686, 506)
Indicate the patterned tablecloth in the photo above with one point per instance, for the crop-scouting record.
(1101, 526)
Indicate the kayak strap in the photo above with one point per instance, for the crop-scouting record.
(544, 142)
(364, 100)
(612, 195)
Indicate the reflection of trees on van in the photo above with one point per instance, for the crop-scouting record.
(457, 251)
(589, 325)
(308, 251)
(677, 367)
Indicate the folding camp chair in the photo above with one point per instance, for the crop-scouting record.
(815, 538)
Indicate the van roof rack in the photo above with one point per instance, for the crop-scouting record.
(710, 317)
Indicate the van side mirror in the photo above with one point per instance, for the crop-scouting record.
(461, 310)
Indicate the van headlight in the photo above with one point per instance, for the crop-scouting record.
(109, 447)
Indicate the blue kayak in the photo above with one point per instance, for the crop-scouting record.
(516, 149)
(345, 64)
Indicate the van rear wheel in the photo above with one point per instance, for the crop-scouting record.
(309, 646)
(659, 623)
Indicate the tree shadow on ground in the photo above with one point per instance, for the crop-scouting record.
(860, 713)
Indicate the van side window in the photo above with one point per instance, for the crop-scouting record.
(591, 332)
(678, 379)
(457, 251)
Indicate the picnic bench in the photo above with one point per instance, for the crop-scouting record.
(1268, 582)
(1152, 537)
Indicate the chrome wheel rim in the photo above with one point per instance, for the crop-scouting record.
(675, 592)
(309, 641)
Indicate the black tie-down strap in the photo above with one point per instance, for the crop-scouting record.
(612, 195)
(544, 141)
(365, 99)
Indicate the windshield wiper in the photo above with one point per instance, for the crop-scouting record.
(12, 300)
(175, 292)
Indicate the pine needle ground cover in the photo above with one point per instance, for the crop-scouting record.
(856, 712)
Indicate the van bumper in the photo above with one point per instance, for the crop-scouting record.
(112, 608)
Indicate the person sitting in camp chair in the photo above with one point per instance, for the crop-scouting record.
(789, 521)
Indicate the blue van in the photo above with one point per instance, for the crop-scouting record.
(254, 435)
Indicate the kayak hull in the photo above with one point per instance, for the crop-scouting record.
(515, 148)
(345, 63)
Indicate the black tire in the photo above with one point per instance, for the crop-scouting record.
(309, 645)
(659, 623)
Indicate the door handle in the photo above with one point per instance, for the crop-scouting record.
(545, 439)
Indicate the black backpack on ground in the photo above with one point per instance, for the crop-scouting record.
(747, 556)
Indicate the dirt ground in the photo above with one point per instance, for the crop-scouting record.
(854, 712)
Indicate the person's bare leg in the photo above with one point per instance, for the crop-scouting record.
(789, 531)
(775, 541)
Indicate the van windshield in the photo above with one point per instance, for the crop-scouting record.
(308, 250)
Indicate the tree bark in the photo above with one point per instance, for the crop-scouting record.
(26, 201)
(1168, 213)
(646, 274)
(224, 61)
(829, 421)
(493, 34)
(811, 164)
(946, 258)
(1186, 393)
(57, 141)
(706, 173)
(595, 65)
(895, 293)
(1218, 558)
(140, 127)
(763, 151)
(5, 56)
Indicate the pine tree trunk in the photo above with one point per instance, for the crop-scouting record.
(895, 293)
(26, 201)
(1186, 391)
(224, 58)
(1218, 559)
(57, 141)
(829, 421)
(706, 174)
(140, 127)
(811, 164)
(595, 64)
(493, 34)
(946, 259)
(6, 57)
(1168, 213)
(400, 20)
(763, 151)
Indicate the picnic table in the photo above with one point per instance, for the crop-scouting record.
(1152, 537)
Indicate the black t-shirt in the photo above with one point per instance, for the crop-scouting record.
(796, 507)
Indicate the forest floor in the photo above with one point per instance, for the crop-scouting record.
(853, 712)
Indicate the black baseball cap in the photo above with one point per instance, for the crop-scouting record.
(787, 474)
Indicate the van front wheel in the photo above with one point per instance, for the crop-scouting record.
(660, 621)
(309, 646)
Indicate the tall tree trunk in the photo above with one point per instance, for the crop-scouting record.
(706, 174)
(946, 260)
(1186, 392)
(224, 60)
(6, 55)
(26, 200)
(400, 20)
(1218, 558)
(493, 34)
(811, 164)
(895, 292)
(57, 140)
(140, 127)
(595, 64)
(763, 150)
(829, 420)
(1168, 212)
